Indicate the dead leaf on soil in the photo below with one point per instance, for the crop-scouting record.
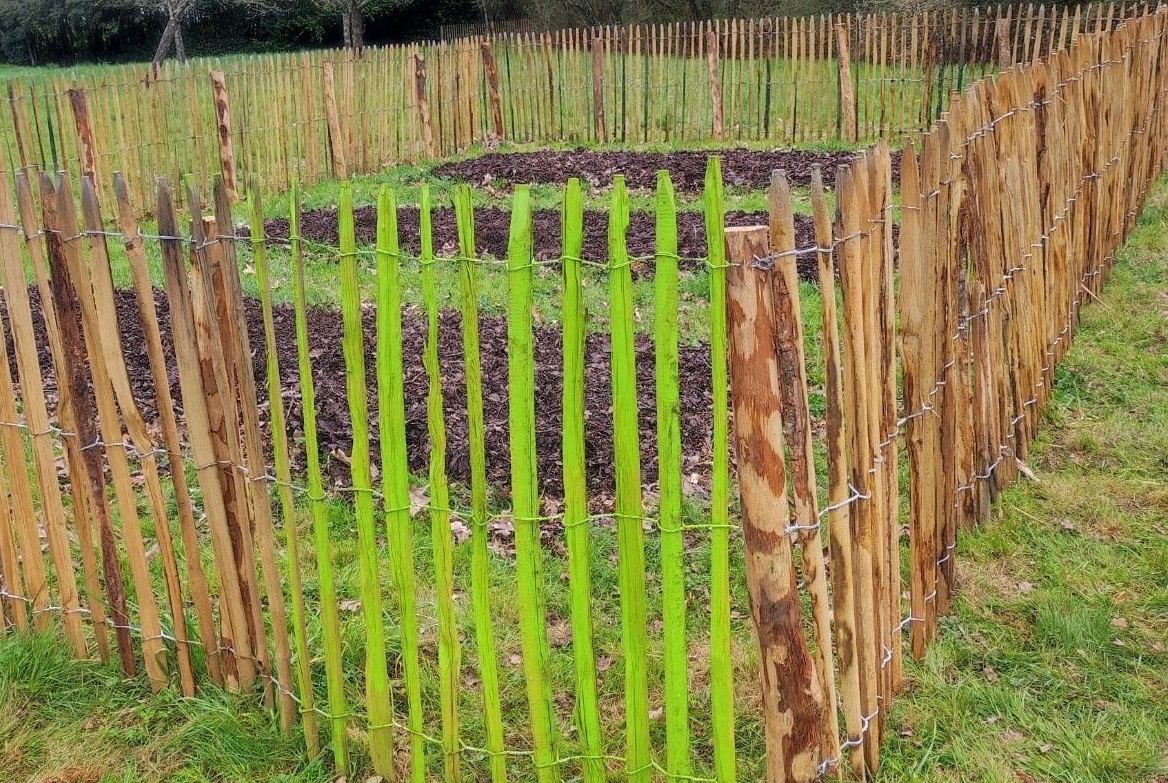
(419, 500)
(459, 529)
(559, 632)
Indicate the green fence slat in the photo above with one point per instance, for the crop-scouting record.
(283, 476)
(479, 575)
(395, 478)
(575, 486)
(448, 641)
(379, 700)
(721, 667)
(524, 484)
(330, 624)
(629, 508)
(669, 483)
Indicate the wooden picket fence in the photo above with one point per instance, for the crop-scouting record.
(1011, 215)
(328, 114)
(198, 568)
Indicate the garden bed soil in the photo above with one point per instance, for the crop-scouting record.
(687, 169)
(333, 422)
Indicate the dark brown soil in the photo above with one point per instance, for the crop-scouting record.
(333, 421)
(493, 225)
(687, 169)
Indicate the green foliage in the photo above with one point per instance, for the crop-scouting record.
(36, 32)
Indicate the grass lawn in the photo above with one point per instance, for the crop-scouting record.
(1053, 667)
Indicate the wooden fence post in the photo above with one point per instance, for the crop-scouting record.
(1002, 36)
(598, 90)
(423, 102)
(226, 140)
(332, 116)
(493, 85)
(79, 102)
(792, 695)
(715, 84)
(847, 93)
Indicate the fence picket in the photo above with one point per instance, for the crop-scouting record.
(330, 623)
(575, 486)
(480, 578)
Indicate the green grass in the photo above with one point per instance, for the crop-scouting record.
(73, 722)
(1054, 661)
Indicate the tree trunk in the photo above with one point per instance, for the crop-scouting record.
(353, 22)
(164, 43)
(180, 51)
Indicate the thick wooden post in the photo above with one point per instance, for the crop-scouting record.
(1002, 36)
(493, 86)
(788, 325)
(332, 116)
(79, 102)
(423, 103)
(598, 90)
(226, 139)
(847, 93)
(791, 692)
(715, 84)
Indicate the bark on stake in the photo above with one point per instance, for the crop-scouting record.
(226, 140)
(792, 696)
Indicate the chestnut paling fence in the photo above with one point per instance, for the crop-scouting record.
(212, 564)
(318, 115)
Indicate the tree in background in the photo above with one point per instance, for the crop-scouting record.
(178, 13)
(352, 19)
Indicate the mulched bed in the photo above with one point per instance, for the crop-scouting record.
(687, 169)
(325, 329)
(493, 226)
